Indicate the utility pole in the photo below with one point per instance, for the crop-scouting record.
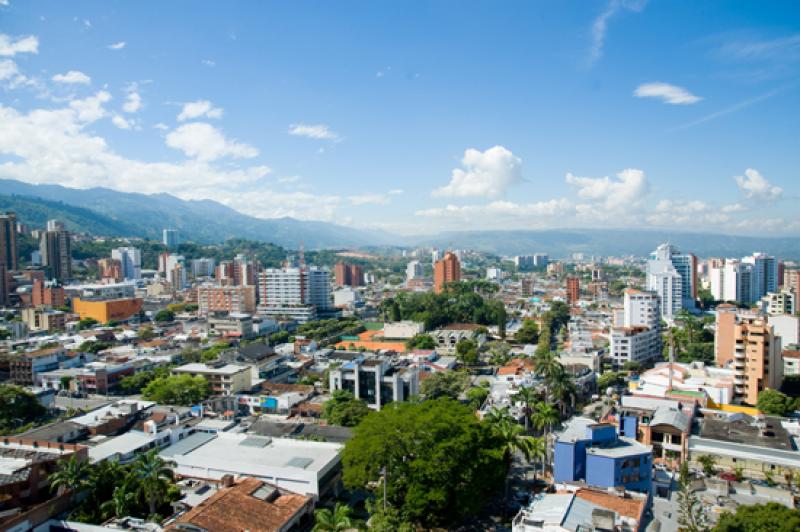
(384, 473)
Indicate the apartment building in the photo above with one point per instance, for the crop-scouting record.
(230, 299)
(223, 379)
(673, 276)
(376, 381)
(638, 339)
(747, 343)
(44, 319)
(348, 274)
(295, 292)
(447, 270)
(25, 367)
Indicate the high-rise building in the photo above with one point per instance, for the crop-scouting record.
(447, 270)
(4, 295)
(573, 289)
(130, 260)
(170, 238)
(540, 260)
(414, 270)
(673, 276)
(295, 292)
(791, 281)
(56, 249)
(203, 267)
(747, 343)
(523, 262)
(764, 276)
(638, 339)
(348, 274)
(236, 299)
(245, 271)
(8, 241)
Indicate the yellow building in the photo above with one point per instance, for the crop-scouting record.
(108, 309)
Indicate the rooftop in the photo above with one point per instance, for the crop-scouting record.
(765, 432)
(198, 367)
(249, 505)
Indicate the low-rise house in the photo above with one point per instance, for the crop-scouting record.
(25, 367)
(582, 510)
(249, 504)
(275, 398)
(447, 337)
(662, 423)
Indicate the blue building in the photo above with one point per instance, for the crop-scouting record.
(595, 454)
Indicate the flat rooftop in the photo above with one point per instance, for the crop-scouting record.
(743, 429)
(197, 367)
(256, 455)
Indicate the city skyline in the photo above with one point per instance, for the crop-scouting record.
(416, 118)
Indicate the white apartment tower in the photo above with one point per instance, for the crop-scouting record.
(414, 270)
(295, 292)
(673, 276)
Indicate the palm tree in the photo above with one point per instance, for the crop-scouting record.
(707, 461)
(548, 367)
(527, 395)
(155, 475)
(120, 502)
(512, 439)
(544, 416)
(337, 520)
(72, 475)
(563, 391)
(538, 452)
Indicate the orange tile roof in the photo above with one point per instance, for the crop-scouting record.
(235, 509)
(622, 506)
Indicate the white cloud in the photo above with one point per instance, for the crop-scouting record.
(600, 24)
(4, 3)
(313, 131)
(501, 214)
(53, 146)
(626, 190)
(121, 122)
(488, 173)
(369, 199)
(117, 45)
(87, 23)
(133, 102)
(73, 77)
(161, 126)
(667, 93)
(197, 109)
(733, 207)
(209, 62)
(396, 192)
(10, 46)
(204, 142)
(8, 69)
(755, 186)
(91, 109)
(288, 179)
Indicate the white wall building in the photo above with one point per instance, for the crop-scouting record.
(130, 259)
(672, 275)
(414, 270)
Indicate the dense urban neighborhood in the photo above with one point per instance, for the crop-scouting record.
(165, 385)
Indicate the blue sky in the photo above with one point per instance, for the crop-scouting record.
(417, 116)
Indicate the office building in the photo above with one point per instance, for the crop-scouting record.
(377, 382)
(5, 296)
(414, 270)
(294, 292)
(595, 454)
(673, 276)
(170, 239)
(747, 343)
(348, 274)
(573, 289)
(55, 247)
(8, 241)
(540, 261)
(447, 270)
(203, 267)
(106, 310)
(523, 262)
(230, 299)
(130, 260)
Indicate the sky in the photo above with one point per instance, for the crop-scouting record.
(416, 117)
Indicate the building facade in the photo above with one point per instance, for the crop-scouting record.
(56, 250)
(231, 299)
(447, 270)
(673, 276)
(375, 381)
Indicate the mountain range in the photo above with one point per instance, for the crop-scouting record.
(107, 212)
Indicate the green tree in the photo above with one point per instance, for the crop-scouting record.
(527, 395)
(87, 323)
(120, 503)
(421, 341)
(608, 379)
(708, 462)
(182, 390)
(772, 516)
(72, 475)
(528, 333)
(544, 416)
(146, 334)
(441, 464)
(17, 407)
(691, 514)
(164, 315)
(444, 384)
(774, 403)
(385, 519)
(344, 409)
(512, 439)
(467, 352)
(337, 520)
(155, 476)
(476, 396)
